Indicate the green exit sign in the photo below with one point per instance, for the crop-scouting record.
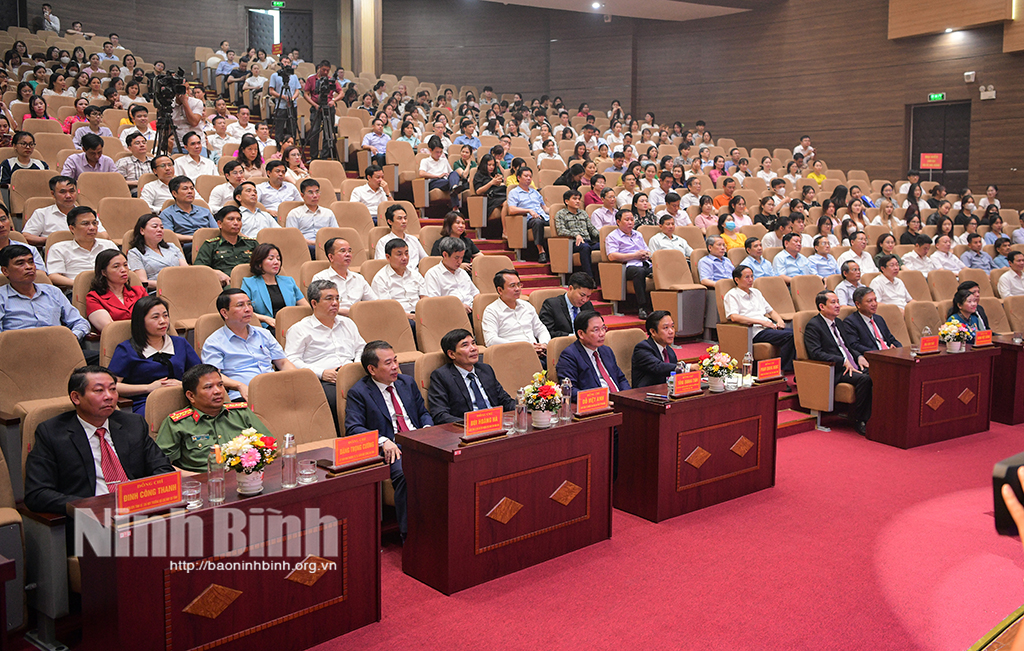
(932, 97)
(277, 3)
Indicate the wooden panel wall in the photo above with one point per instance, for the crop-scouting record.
(914, 18)
(171, 30)
(829, 70)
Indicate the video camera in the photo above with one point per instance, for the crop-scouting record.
(167, 87)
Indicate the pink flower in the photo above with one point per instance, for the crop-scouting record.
(250, 458)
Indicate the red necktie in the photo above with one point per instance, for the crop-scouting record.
(402, 425)
(878, 336)
(664, 355)
(604, 373)
(113, 473)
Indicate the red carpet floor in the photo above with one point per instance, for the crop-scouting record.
(858, 546)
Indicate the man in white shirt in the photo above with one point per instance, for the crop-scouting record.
(224, 193)
(157, 193)
(215, 142)
(805, 148)
(437, 168)
(944, 257)
(918, 259)
(53, 218)
(625, 198)
(449, 278)
(243, 126)
(888, 288)
(691, 198)
(254, 220)
(658, 194)
(310, 217)
(140, 119)
(352, 287)
(913, 176)
(398, 280)
(850, 282)
(858, 254)
(1011, 283)
(324, 341)
(673, 210)
(747, 306)
(511, 319)
(65, 260)
(667, 238)
(275, 190)
(374, 192)
(192, 164)
(50, 22)
(783, 226)
(398, 222)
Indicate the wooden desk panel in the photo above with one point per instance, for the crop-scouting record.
(685, 455)
(1008, 382)
(140, 602)
(496, 507)
(929, 398)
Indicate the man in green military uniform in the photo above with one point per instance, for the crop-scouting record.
(186, 436)
(228, 249)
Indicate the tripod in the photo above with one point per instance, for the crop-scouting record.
(288, 125)
(165, 132)
(323, 124)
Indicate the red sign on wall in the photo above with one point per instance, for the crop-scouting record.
(931, 161)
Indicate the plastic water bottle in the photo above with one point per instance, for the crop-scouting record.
(289, 463)
(565, 410)
(672, 381)
(748, 365)
(926, 332)
(215, 475)
(521, 411)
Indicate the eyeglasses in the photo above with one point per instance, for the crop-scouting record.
(30, 145)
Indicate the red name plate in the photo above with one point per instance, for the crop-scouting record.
(592, 400)
(769, 369)
(148, 493)
(929, 345)
(483, 421)
(983, 338)
(686, 383)
(931, 161)
(352, 449)
(276, 49)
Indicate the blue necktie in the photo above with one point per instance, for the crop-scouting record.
(479, 401)
(575, 313)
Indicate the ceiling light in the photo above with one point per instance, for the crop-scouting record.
(596, 5)
(949, 30)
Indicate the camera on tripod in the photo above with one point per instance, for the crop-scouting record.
(324, 86)
(167, 87)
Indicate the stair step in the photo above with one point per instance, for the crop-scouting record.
(508, 254)
(789, 400)
(492, 245)
(790, 421)
(538, 281)
(534, 269)
(426, 221)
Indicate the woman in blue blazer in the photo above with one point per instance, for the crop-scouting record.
(268, 291)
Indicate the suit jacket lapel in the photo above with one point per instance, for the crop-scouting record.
(382, 407)
(120, 439)
(81, 443)
(461, 386)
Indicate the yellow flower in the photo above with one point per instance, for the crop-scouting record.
(235, 461)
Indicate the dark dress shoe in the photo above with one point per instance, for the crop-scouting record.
(862, 428)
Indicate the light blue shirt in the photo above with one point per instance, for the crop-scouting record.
(177, 220)
(528, 199)
(712, 268)
(473, 142)
(49, 307)
(573, 310)
(787, 265)
(999, 262)
(760, 269)
(990, 238)
(825, 265)
(380, 142)
(242, 359)
(277, 84)
(1018, 236)
(224, 67)
(979, 260)
(469, 387)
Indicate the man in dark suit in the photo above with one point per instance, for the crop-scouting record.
(653, 358)
(88, 451)
(558, 312)
(387, 402)
(464, 383)
(826, 341)
(865, 330)
(587, 361)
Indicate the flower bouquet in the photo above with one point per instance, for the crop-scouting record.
(954, 334)
(717, 365)
(543, 397)
(248, 454)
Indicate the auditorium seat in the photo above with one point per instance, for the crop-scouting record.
(736, 339)
(160, 404)
(917, 284)
(411, 213)
(484, 269)
(979, 276)
(803, 290)
(352, 214)
(119, 214)
(998, 323)
(994, 277)
(292, 402)
(29, 183)
(294, 250)
(897, 325)
(385, 319)
(437, 316)
(942, 283)
(818, 393)
(776, 292)
(199, 237)
(190, 292)
(310, 269)
(555, 348)
(676, 293)
(538, 296)
(480, 303)
(622, 343)
(921, 314)
(94, 186)
(329, 169)
(112, 335)
(514, 364)
(426, 365)
(350, 235)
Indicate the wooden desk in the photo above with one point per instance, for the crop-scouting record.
(138, 602)
(917, 401)
(1008, 382)
(495, 507)
(685, 455)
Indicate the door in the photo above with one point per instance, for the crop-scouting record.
(262, 30)
(297, 32)
(942, 129)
